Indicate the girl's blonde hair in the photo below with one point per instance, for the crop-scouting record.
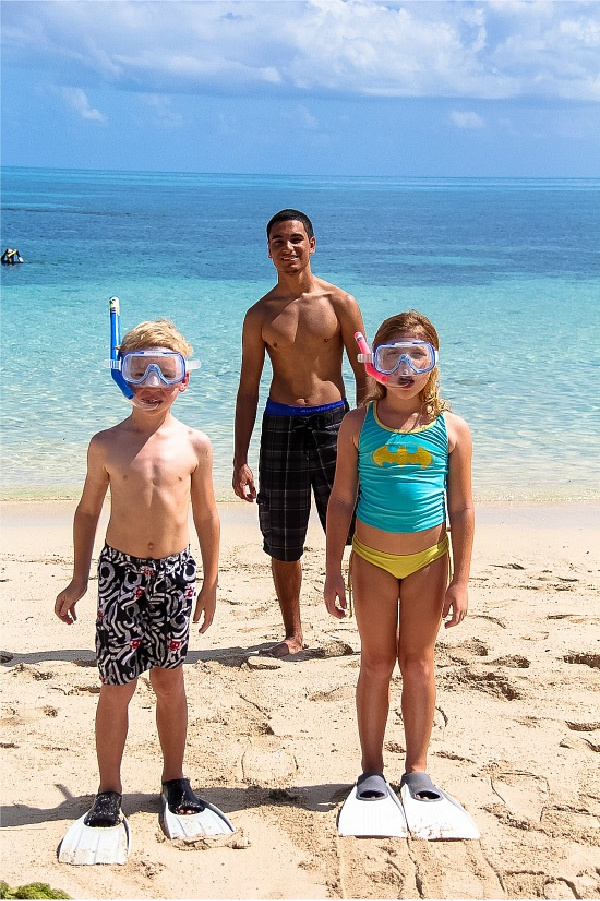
(159, 333)
(414, 323)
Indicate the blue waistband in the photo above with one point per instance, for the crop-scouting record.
(275, 409)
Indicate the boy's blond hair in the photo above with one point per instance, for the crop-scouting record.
(159, 333)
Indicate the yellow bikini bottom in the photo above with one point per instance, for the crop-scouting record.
(399, 566)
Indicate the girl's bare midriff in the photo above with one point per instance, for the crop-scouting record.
(399, 543)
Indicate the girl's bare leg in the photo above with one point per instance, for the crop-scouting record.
(375, 595)
(421, 602)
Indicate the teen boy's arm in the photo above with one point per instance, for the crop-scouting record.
(85, 523)
(351, 321)
(206, 523)
(253, 360)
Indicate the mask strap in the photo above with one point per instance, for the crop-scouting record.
(115, 340)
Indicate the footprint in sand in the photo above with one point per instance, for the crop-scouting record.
(490, 619)
(463, 652)
(576, 618)
(26, 671)
(489, 681)
(592, 660)
(84, 689)
(335, 648)
(528, 884)
(268, 765)
(341, 693)
(524, 794)
(516, 661)
(583, 727)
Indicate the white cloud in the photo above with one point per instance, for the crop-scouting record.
(353, 48)
(467, 120)
(164, 114)
(305, 118)
(77, 99)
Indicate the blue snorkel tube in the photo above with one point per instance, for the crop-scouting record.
(115, 340)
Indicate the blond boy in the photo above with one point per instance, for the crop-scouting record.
(155, 467)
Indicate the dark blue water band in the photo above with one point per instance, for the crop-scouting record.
(275, 409)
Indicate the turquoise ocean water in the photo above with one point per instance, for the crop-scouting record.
(508, 270)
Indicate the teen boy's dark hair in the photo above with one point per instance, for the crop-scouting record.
(288, 216)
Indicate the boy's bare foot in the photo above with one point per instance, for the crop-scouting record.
(284, 648)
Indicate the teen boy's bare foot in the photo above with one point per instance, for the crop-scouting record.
(284, 648)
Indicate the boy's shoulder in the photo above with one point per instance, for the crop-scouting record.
(105, 436)
(195, 436)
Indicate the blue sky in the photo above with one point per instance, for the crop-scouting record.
(322, 87)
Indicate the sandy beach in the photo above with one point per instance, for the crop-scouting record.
(274, 743)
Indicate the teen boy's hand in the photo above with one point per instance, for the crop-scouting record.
(206, 604)
(66, 600)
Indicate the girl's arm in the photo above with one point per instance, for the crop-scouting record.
(206, 523)
(339, 511)
(461, 514)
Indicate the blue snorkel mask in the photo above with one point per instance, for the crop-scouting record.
(115, 340)
(156, 367)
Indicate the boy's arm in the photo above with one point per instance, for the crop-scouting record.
(253, 360)
(339, 512)
(351, 321)
(461, 514)
(206, 523)
(85, 523)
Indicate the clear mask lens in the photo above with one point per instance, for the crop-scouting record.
(153, 370)
(405, 357)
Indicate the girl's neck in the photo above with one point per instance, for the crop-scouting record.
(402, 413)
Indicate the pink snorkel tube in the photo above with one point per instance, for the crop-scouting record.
(365, 356)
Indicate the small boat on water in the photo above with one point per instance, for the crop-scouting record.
(11, 257)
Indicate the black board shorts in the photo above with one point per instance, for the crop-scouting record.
(297, 459)
(144, 609)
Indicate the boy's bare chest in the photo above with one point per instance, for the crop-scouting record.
(302, 323)
(154, 466)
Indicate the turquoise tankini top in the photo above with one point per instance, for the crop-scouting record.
(402, 475)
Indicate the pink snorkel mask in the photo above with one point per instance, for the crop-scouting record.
(403, 359)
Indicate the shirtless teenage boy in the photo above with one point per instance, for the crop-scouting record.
(155, 467)
(303, 324)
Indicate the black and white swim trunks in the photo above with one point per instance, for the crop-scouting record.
(144, 609)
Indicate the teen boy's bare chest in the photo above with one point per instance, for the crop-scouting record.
(304, 325)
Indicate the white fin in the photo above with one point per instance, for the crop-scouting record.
(89, 845)
(442, 817)
(210, 821)
(382, 817)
